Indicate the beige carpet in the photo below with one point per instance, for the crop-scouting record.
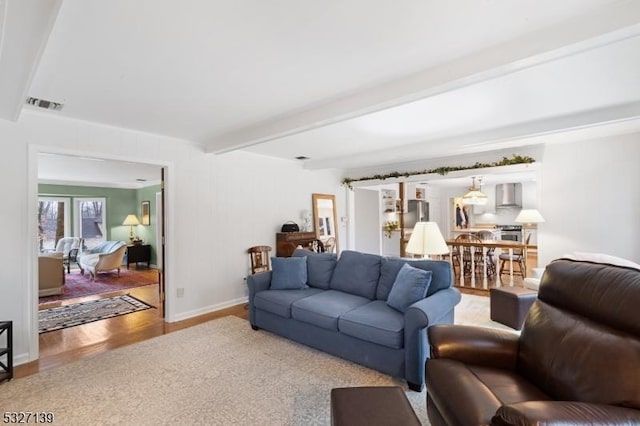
(217, 373)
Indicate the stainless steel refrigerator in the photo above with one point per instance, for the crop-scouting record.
(417, 211)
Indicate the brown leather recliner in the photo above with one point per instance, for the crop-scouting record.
(577, 360)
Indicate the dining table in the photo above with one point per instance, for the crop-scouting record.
(484, 246)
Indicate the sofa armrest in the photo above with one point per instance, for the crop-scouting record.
(563, 413)
(257, 283)
(484, 346)
(430, 309)
(437, 308)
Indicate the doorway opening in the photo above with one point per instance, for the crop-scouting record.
(99, 194)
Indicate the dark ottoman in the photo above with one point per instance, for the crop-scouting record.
(509, 305)
(371, 406)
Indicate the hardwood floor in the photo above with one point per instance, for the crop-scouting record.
(71, 344)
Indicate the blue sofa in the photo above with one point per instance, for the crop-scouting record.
(344, 311)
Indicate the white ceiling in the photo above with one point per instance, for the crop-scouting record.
(84, 171)
(348, 83)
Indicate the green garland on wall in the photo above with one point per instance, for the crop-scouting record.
(515, 159)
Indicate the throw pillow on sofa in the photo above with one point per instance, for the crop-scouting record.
(288, 273)
(410, 286)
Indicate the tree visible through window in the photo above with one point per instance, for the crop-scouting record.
(53, 221)
(91, 221)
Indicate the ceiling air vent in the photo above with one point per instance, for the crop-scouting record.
(44, 104)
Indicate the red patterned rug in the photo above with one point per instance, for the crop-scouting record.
(77, 285)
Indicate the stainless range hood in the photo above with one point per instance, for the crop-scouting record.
(508, 195)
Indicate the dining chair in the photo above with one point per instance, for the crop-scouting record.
(478, 258)
(259, 258)
(519, 257)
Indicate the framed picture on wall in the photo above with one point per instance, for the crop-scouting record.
(146, 213)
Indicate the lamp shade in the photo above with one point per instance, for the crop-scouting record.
(529, 216)
(426, 239)
(131, 220)
(475, 196)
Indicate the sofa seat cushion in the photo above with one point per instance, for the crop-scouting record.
(482, 389)
(279, 302)
(375, 322)
(324, 309)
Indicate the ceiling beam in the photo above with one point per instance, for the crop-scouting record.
(25, 26)
(617, 119)
(587, 32)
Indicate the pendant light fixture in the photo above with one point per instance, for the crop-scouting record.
(475, 196)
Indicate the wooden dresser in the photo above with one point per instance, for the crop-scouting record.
(286, 242)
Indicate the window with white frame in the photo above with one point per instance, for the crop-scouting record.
(90, 221)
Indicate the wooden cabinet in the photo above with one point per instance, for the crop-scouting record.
(286, 242)
(139, 253)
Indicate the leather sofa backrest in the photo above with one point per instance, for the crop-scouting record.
(581, 338)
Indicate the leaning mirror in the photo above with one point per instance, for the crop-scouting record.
(325, 219)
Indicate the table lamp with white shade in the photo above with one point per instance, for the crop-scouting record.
(426, 239)
(131, 221)
(528, 217)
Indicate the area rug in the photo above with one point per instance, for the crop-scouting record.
(77, 285)
(217, 373)
(82, 313)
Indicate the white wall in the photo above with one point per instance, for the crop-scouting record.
(368, 229)
(590, 198)
(218, 207)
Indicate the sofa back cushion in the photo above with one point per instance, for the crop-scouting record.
(441, 274)
(320, 267)
(581, 338)
(357, 273)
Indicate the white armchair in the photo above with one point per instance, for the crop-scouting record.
(68, 247)
(108, 256)
(66, 244)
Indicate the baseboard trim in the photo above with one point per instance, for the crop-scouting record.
(22, 358)
(208, 309)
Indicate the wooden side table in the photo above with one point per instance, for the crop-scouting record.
(137, 253)
(6, 367)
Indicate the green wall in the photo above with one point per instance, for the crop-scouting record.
(120, 203)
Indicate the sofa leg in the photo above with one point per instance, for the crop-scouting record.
(255, 327)
(415, 387)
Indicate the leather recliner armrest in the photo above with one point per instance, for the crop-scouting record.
(484, 346)
(551, 413)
